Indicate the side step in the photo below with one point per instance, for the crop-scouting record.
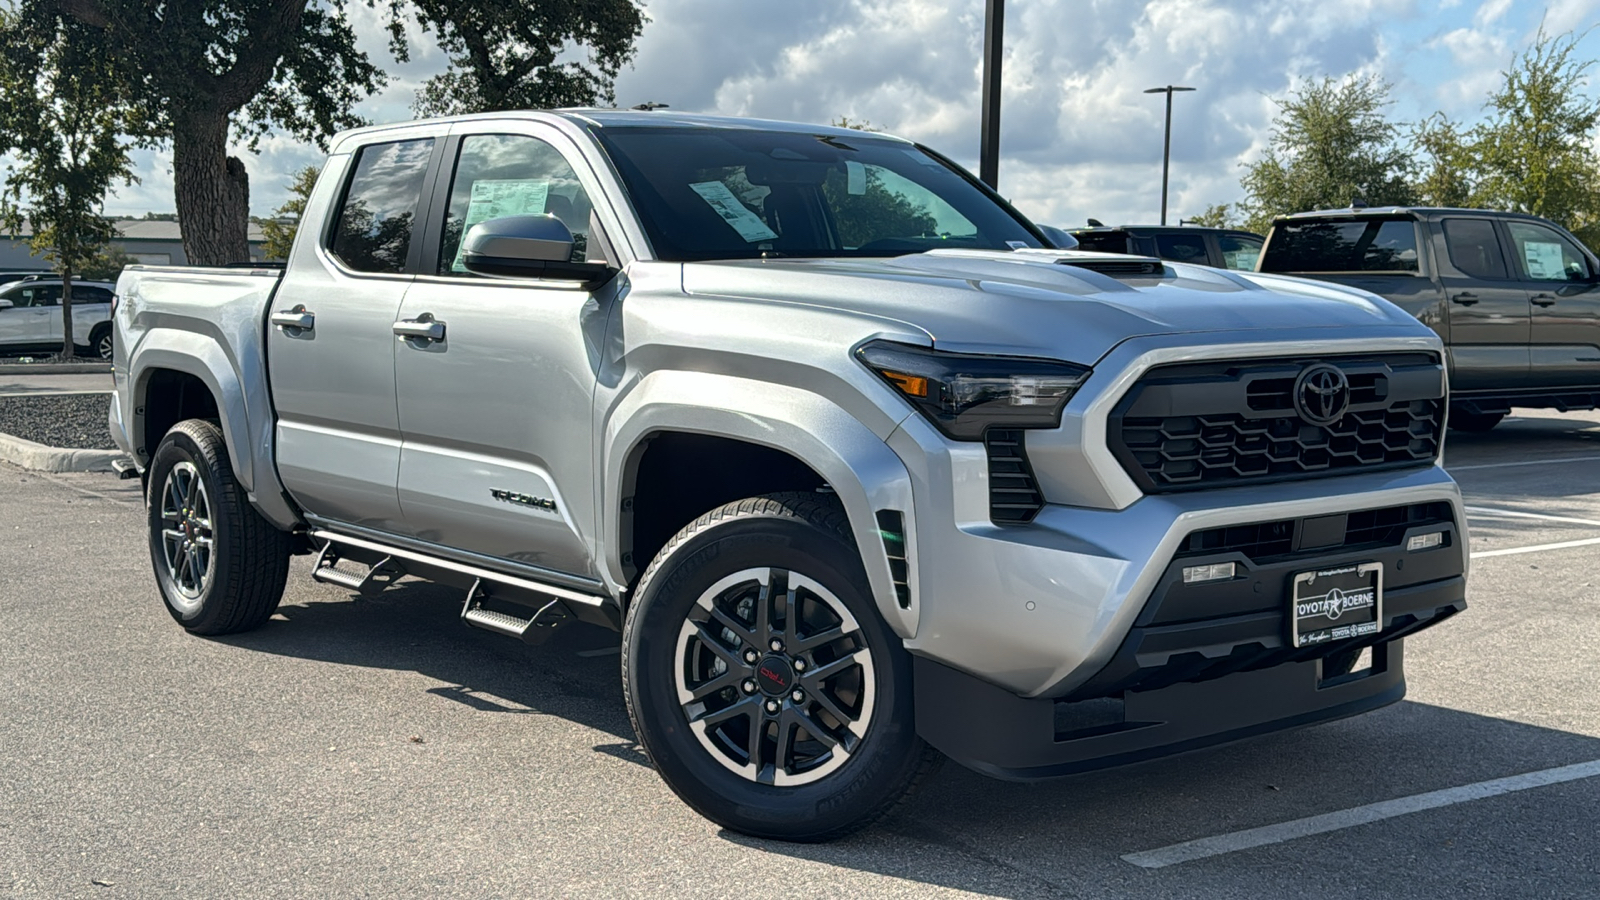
(125, 468)
(534, 630)
(372, 581)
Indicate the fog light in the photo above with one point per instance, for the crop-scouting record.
(1213, 572)
(1424, 541)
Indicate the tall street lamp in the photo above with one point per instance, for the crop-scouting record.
(994, 23)
(1166, 150)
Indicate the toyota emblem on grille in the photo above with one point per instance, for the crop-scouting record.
(1322, 394)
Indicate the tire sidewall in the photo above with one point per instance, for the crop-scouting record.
(887, 755)
(179, 446)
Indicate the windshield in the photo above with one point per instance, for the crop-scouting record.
(1345, 245)
(737, 194)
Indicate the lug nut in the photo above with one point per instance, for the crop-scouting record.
(750, 656)
(798, 696)
(749, 686)
(772, 706)
(776, 645)
(799, 665)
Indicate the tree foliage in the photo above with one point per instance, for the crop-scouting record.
(1331, 143)
(1536, 152)
(62, 118)
(1217, 215)
(520, 54)
(877, 211)
(279, 230)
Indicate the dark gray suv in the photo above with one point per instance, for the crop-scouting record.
(1220, 248)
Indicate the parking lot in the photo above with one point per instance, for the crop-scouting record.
(376, 747)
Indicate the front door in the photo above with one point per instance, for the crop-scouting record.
(1560, 284)
(496, 413)
(330, 343)
(1488, 309)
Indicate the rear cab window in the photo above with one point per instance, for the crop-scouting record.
(373, 230)
(1342, 245)
(1474, 248)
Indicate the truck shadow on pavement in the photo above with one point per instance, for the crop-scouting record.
(968, 832)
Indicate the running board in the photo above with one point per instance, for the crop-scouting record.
(372, 581)
(533, 630)
(548, 600)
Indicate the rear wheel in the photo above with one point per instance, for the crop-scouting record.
(221, 567)
(761, 680)
(1474, 422)
(100, 341)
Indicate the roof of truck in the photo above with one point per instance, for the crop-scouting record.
(1423, 211)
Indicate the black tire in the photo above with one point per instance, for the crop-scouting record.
(242, 573)
(100, 341)
(794, 534)
(1474, 423)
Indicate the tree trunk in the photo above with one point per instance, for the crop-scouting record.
(212, 191)
(68, 349)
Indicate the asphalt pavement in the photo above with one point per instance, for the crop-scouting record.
(376, 747)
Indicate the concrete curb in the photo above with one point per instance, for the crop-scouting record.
(55, 368)
(41, 458)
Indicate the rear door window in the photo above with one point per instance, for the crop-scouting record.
(373, 230)
(1474, 248)
(1190, 248)
(1545, 255)
(1103, 241)
(1239, 252)
(1352, 245)
(37, 295)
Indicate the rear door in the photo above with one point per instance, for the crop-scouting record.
(1488, 308)
(1559, 280)
(330, 341)
(496, 415)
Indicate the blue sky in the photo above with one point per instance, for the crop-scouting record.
(1079, 137)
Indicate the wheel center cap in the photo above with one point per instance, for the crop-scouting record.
(775, 676)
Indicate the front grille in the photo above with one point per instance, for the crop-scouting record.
(1014, 497)
(1267, 540)
(1204, 425)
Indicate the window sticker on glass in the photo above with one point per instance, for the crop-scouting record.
(855, 178)
(736, 214)
(493, 198)
(1544, 260)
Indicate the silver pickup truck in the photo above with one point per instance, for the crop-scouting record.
(864, 471)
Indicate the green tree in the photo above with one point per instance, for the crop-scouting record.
(280, 229)
(1332, 143)
(107, 264)
(878, 211)
(1536, 152)
(1446, 162)
(508, 54)
(1217, 215)
(244, 68)
(62, 119)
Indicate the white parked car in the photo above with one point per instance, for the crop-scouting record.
(30, 316)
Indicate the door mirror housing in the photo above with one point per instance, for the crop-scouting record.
(527, 247)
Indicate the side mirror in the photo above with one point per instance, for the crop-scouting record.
(1061, 239)
(527, 247)
(6, 304)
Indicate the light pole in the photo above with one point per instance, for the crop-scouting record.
(994, 21)
(1166, 148)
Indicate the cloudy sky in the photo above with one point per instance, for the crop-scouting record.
(1079, 137)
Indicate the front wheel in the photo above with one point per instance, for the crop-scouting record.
(761, 680)
(220, 566)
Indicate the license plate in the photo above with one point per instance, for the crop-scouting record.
(1336, 603)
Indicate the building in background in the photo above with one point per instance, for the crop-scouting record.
(155, 242)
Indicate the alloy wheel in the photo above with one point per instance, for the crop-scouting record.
(187, 537)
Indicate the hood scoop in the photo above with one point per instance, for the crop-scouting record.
(1125, 265)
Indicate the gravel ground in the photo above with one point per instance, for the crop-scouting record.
(58, 420)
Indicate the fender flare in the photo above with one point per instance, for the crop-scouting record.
(865, 474)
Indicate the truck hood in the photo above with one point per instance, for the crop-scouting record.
(1037, 302)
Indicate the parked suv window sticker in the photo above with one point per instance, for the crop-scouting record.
(511, 175)
(1474, 248)
(1547, 255)
(1239, 252)
(374, 227)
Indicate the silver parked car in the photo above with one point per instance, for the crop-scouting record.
(30, 316)
(864, 471)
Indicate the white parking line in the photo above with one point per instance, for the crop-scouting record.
(1488, 512)
(1535, 548)
(1360, 815)
(1526, 462)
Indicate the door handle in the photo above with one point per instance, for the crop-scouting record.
(423, 328)
(299, 318)
(1465, 298)
(1544, 300)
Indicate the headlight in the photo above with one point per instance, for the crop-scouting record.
(964, 394)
